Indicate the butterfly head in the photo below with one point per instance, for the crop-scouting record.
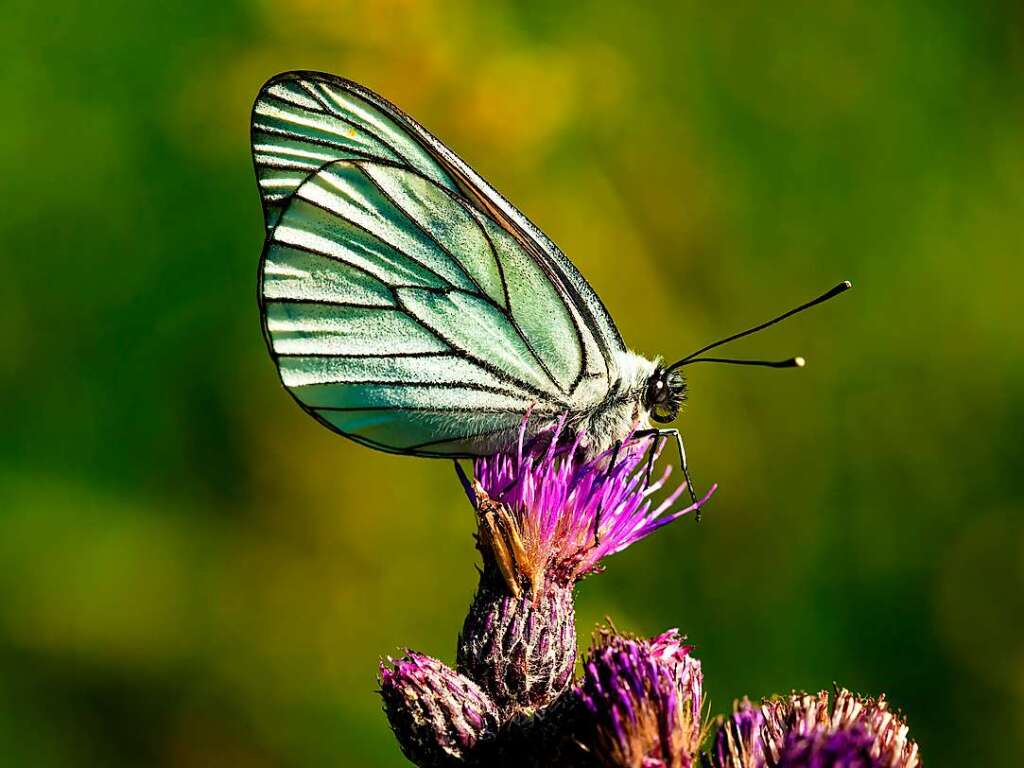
(665, 393)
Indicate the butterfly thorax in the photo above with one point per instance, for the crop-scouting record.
(641, 391)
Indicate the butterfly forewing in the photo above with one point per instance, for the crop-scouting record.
(301, 121)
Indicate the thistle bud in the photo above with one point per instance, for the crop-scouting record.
(521, 650)
(439, 717)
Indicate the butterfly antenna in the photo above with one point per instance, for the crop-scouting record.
(793, 362)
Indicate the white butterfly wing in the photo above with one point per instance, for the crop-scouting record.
(406, 303)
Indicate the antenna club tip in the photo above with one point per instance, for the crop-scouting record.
(846, 285)
(799, 362)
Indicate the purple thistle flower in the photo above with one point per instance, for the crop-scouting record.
(799, 731)
(803, 731)
(438, 716)
(546, 516)
(547, 513)
(642, 702)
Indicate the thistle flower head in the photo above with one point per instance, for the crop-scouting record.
(546, 512)
(642, 700)
(439, 716)
(803, 731)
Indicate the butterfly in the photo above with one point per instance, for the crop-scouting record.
(412, 308)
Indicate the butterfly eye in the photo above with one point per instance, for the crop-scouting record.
(664, 395)
(655, 390)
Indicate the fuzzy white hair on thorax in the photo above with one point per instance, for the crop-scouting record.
(623, 409)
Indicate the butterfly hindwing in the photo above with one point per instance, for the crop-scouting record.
(375, 323)
(406, 303)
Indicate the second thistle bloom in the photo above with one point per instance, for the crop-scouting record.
(641, 702)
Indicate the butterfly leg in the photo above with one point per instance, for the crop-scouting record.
(652, 453)
(682, 458)
(615, 457)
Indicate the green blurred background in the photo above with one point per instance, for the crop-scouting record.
(193, 573)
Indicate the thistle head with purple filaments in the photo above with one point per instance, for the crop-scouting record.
(642, 700)
(548, 513)
(808, 731)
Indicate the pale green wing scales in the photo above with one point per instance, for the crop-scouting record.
(445, 220)
(302, 121)
(375, 324)
(425, 433)
(320, 374)
(541, 312)
(313, 328)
